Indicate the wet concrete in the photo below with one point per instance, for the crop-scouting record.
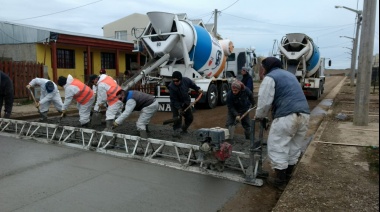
(43, 177)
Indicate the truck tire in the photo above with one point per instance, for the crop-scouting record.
(212, 96)
(223, 90)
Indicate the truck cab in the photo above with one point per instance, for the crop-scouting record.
(239, 58)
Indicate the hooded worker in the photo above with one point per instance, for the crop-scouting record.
(239, 100)
(83, 95)
(107, 89)
(6, 94)
(49, 94)
(180, 100)
(247, 78)
(281, 92)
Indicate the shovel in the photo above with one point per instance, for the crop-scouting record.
(231, 128)
(35, 102)
(179, 117)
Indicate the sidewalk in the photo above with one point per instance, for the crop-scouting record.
(340, 169)
(29, 111)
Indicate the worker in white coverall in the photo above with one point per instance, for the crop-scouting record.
(137, 101)
(49, 94)
(281, 91)
(106, 93)
(83, 95)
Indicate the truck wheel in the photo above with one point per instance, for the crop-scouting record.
(212, 96)
(223, 94)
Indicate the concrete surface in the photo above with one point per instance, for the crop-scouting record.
(44, 177)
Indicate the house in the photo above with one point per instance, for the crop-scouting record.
(64, 53)
(132, 26)
(126, 28)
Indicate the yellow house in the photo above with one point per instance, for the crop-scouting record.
(64, 53)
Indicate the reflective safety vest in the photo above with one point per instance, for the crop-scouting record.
(85, 93)
(111, 93)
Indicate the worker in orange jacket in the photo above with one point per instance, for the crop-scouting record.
(83, 95)
(106, 93)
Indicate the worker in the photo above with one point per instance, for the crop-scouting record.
(102, 71)
(137, 101)
(106, 94)
(6, 94)
(280, 90)
(180, 100)
(247, 79)
(83, 95)
(49, 94)
(239, 101)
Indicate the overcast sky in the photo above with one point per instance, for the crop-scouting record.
(248, 23)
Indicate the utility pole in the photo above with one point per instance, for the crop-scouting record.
(355, 40)
(363, 83)
(215, 23)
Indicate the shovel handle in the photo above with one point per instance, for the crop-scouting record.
(193, 103)
(31, 93)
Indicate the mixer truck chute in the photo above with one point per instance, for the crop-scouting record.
(300, 56)
(178, 45)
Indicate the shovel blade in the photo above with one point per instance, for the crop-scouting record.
(96, 119)
(170, 121)
(231, 130)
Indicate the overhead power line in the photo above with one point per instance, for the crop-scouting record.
(57, 12)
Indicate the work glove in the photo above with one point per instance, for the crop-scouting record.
(180, 112)
(200, 91)
(28, 86)
(37, 104)
(115, 124)
(101, 105)
(63, 113)
(237, 119)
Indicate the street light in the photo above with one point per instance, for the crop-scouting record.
(355, 40)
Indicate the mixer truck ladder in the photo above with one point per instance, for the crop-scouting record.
(162, 152)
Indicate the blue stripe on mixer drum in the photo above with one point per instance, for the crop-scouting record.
(314, 58)
(202, 49)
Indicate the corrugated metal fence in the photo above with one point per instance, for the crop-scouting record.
(21, 73)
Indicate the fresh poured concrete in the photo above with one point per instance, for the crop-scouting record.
(46, 177)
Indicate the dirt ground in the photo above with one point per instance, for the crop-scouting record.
(323, 181)
(338, 177)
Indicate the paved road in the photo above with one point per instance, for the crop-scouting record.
(43, 177)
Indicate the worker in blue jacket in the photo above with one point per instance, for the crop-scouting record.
(280, 92)
(247, 79)
(6, 94)
(239, 100)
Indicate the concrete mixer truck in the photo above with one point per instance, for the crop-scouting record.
(300, 56)
(176, 44)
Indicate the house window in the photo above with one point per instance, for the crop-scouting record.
(108, 60)
(122, 35)
(65, 58)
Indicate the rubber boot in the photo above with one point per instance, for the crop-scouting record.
(109, 124)
(43, 116)
(184, 129)
(143, 134)
(147, 128)
(86, 125)
(7, 115)
(177, 134)
(289, 172)
(247, 135)
(279, 181)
